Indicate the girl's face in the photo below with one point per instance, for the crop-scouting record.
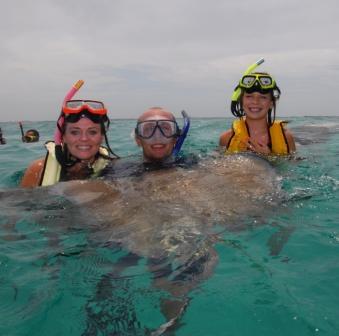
(83, 139)
(256, 105)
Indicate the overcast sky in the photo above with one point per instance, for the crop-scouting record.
(179, 54)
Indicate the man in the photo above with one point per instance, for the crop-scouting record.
(160, 138)
(31, 135)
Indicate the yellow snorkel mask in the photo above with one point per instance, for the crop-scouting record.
(264, 81)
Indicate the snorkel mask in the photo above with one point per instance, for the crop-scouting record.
(94, 110)
(254, 82)
(155, 130)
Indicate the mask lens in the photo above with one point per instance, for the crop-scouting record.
(74, 103)
(96, 105)
(248, 81)
(265, 81)
(168, 128)
(146, 129)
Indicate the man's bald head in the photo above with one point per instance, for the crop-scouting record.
(156, 113)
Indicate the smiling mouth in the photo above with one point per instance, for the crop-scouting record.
(158, 146)
(255, 109)
(83, 148)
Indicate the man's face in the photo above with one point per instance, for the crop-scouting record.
(159, 145)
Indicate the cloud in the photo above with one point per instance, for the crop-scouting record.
(179, 54)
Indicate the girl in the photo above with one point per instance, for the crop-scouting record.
(256, 129)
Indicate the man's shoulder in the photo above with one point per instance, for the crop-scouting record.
(134, 166)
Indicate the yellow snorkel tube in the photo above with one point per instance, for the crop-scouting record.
(237, 91)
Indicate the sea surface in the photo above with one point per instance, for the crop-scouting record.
(276, 274)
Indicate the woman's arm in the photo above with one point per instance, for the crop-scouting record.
(225, 138)
(33, 174)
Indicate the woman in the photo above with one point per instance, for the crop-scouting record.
(256, 129)
(82, 126)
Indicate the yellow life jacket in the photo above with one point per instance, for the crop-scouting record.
(52, 168)
(278, 140)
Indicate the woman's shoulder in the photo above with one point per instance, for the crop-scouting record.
(33, 174)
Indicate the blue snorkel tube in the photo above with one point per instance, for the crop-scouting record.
(183, 134)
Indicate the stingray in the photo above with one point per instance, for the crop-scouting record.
(172, 217)
(163, 211)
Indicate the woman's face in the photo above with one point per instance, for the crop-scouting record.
(256, 105)
(83, 139)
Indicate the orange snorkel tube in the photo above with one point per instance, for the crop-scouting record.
(60, 122)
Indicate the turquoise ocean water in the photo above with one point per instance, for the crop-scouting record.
(54, 280)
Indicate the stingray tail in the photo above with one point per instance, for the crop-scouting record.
(172, 322)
